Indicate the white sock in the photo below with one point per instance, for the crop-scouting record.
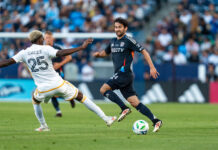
(39, 114)
(58, 112)
(93, 107)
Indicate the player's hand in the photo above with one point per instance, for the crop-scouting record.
(87, 42)
(56, 66)
(154, 73)
(96, 54)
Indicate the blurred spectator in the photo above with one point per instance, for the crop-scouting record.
(178, 58)
(204, 57)
(211, 75)
(213, 59)
(175, 56)
(205, 45)
(87, 72)
(194, 22)
(192, 46)
(23, 71)
(185, 17)
(165, 38)
(207, 17)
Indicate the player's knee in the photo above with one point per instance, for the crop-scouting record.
(79, 96)
(34, 101)
(134, 104)
(133, 101)
(102, 90)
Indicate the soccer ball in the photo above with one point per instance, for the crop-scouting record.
(140, 127)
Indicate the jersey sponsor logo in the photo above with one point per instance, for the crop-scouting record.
(117, 50)
(10, 89)
(192, 95)
(155, 94)
(122, 44)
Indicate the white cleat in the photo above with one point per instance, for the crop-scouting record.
(124, 113)
(111, 120)
(42, 129)
(157, 126)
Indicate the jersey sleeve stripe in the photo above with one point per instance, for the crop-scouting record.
(84, 98)
(132, 53)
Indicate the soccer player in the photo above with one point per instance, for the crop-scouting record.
(38, 58)
(58, 63)
(122, 49)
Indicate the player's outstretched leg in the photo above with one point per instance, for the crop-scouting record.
(93, 107)
(107, 92)
(39, 115)
(133, 100)
(55, 103)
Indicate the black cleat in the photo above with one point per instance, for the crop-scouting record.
(72, 103)
(58, 115)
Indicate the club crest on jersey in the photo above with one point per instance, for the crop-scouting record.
(122, 44)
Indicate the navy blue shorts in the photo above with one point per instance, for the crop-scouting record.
(124, 82)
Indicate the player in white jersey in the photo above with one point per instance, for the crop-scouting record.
(38, 57)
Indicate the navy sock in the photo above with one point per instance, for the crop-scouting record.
(145, 111)
(55, 103)
(114, 98)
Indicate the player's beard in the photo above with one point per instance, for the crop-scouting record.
(121, 33)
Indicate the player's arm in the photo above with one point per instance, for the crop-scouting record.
(66, 59)
(7, 62)
(153, 71)
(66, 52)
(103, 53)
(100, 54)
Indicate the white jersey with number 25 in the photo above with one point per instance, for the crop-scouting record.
(38, 59)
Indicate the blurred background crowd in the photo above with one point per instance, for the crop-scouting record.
(187, 35)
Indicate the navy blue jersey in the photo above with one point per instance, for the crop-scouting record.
(123, 52)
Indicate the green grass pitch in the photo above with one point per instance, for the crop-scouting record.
(186, 127)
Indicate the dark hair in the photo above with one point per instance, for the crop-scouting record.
(121, 21)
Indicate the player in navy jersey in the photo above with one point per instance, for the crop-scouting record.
(122, 50)
(58, 63)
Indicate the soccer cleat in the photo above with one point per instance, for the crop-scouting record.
(42, 129)
(124, 113)
(157, 125)
(72, 103)
(111, 120)
(58, 114)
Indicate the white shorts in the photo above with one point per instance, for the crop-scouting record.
(66, 90)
